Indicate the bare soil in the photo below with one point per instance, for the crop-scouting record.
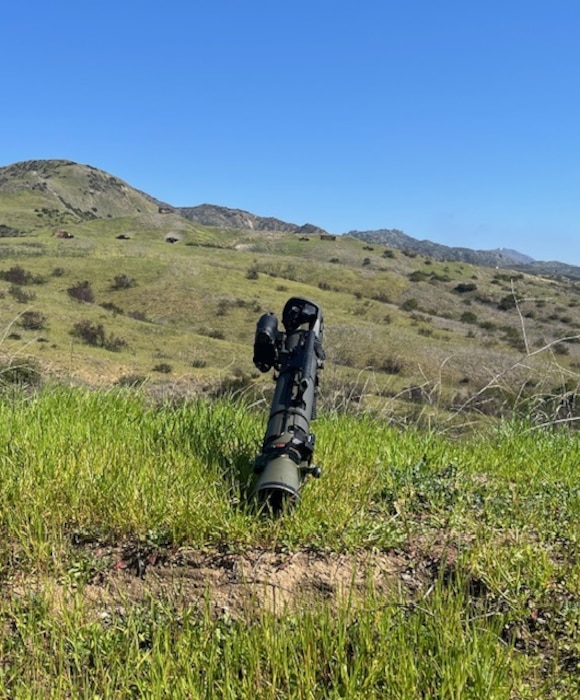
(239, 584)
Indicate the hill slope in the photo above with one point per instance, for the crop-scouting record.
(405, 333)
(68, 192)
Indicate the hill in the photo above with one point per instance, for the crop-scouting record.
(408, 335)
(63, 192)
(500, 257)
(222, 217)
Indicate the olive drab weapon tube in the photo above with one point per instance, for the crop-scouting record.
(296, 355)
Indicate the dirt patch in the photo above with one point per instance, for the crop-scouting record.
(236, 584)
(252, 581)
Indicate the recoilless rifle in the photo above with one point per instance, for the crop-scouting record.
(296, 354)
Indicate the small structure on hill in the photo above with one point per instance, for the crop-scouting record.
(173, 237)
(327, 237)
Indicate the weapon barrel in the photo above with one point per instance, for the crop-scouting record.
(287, 449)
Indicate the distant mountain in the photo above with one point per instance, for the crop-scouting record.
(514, 255)
(37, 194)
(500, 257)
(397, 239)
(222, 217)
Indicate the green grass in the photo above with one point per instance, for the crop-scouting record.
(487, 524)
(441, 561)
(194, 306)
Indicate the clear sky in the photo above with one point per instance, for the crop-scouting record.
(453, 120)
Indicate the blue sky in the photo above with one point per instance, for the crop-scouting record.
(454, 121)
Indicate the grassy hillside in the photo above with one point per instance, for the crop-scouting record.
(403, 334)
(406, 335)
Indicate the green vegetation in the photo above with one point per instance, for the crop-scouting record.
(192, 306)
(111, 504)
(438, 557)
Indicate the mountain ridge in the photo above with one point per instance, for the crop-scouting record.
(499, 257)
(62, 192)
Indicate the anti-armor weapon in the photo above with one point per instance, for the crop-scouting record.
(296, 355)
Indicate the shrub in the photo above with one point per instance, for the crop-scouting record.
(464, 287)
(468, 317)
(58, 272)
(17, 275)
(410, 305)
(32, 320)
(21, 296)
(81, 292)
(418, 276)
(9, 232)
(89, 332)
(94, 334)
(122, 282)
(163, 367)
(114, 343)
(252, 273)
(109, 306)
(561, 349)
(506, 303)
(436, 277)
(388, 253)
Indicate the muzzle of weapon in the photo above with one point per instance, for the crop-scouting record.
(296, 355)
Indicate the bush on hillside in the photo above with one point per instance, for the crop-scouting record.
(17, 275)
(464, 287)
(20, 295)
(506, 303)
(32, 320)
(410, 305)
(82, 291)
(94, 334)
(122, 282)
(468, 317)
